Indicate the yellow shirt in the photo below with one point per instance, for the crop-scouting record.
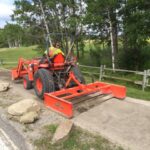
(54, 51)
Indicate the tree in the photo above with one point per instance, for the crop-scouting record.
(13, 34)
(71, 22)
(3, 42)
(63, 18)
(136, 31)
(102, 18)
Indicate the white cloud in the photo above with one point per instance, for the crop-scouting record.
(6, 9)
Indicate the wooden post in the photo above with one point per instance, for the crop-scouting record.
(144, 80)
(92, 77)
(104, 66)
(1, 62)
(101, 73)
(147, 77)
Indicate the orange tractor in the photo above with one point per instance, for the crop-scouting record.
(60, 83)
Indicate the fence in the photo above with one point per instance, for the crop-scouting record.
(144, 82)
(101, 73)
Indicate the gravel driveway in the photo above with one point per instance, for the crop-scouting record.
(124, 122)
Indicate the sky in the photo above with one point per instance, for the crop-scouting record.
(6, 9)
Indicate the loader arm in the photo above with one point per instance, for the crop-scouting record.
(21, 69)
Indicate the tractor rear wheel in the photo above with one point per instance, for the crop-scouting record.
(27, 83)
(78, 75)
(43, 82)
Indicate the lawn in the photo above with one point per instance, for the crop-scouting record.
(78, 140)
(13, 54)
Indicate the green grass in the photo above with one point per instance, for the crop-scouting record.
(13, 54)
(51, 128)
(77, 140)
(134, 91)
(138, 93)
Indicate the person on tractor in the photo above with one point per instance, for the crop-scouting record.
(54, 50)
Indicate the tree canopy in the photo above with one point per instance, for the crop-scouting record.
(121, 26)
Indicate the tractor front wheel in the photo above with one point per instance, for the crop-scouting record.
(27, 83)
(43, 82)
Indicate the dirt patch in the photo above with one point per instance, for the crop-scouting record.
(29, 132)
(9, 97)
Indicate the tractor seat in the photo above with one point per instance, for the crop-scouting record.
(59, 58)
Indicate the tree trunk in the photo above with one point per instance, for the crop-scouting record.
(77, 47)
(45, 22)
(113, 36)
(67, 44)
(125, 42)
(16, 43)
(9, 43)
(82, 49)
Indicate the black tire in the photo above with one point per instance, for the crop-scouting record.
(75, 69)
(46, 79)
(27, 83)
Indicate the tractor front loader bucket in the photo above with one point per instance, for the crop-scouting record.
(20, 70)
(63, 101)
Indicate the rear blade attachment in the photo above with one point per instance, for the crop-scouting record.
(63, 101)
